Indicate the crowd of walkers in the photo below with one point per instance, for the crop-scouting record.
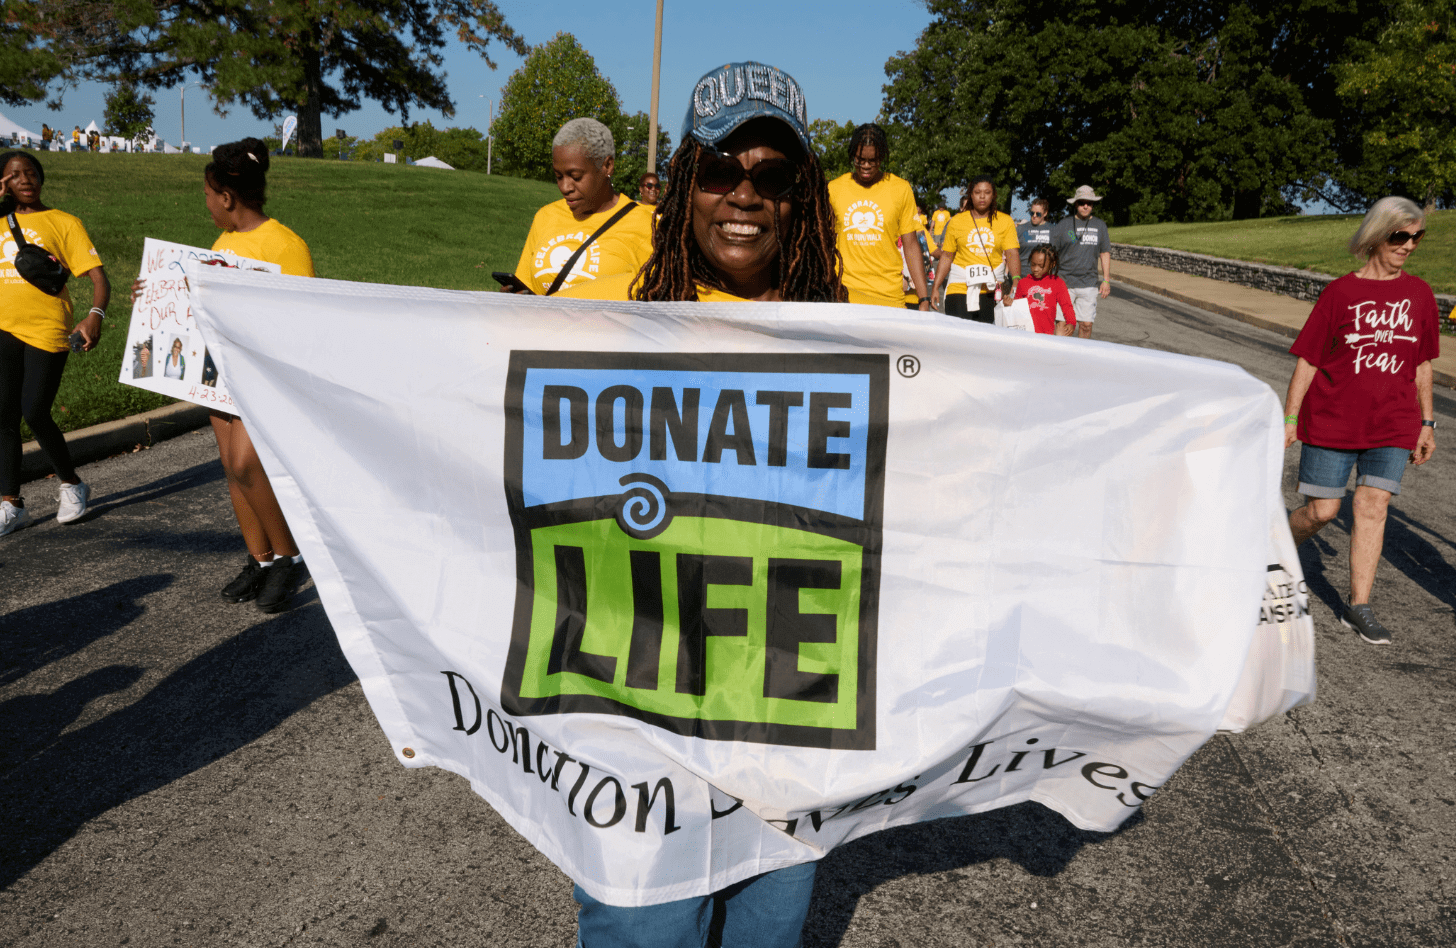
(746, 215)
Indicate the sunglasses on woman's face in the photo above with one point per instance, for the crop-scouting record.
(721, 173)
(1400, 237)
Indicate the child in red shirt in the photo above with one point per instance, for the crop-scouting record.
(1044, 291)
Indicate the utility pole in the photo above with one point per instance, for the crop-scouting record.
(656, 77)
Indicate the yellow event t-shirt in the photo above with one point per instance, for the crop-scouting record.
(29, 314)
(974, 241)
(616, 287)
(938, 220)
(868, 222)
(270, 242)
(555, 235)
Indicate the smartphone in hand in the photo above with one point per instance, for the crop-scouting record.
(511, 282)
(77, 341)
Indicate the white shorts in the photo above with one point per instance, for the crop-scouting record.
(1084, 302)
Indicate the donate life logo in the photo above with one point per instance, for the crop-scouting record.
(698, 541)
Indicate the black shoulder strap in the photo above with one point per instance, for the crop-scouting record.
(15, 229)
(571, 262)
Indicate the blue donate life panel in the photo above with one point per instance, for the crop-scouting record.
(805, 443)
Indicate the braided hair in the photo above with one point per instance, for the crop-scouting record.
(808, 265)
(1054, 262)
(869, 134)
(242, 168)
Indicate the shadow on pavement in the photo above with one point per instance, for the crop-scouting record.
(1418, 558)
(1034, 837)
(33, 721)
(194, 476)
(33, 638)
(208, 708)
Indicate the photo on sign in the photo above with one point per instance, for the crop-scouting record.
(174, 359)
(141, 359)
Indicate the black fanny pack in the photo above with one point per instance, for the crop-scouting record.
(38, 267)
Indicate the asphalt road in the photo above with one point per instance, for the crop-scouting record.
(179, 771)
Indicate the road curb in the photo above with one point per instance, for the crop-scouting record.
(117, 437)
(1446, 379)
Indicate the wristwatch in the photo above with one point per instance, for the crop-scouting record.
(1428, 423)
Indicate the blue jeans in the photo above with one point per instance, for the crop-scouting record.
(1323, 472)
(767, 911)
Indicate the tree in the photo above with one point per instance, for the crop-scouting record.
(558, 81)
(312, 56)
(830, 140)
(1403, 85)
(128, 112)
(1173, 111)
(462, 148)
(631, 138)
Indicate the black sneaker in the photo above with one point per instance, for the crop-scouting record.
(1362, 619)
(277, 586)
(245, 585)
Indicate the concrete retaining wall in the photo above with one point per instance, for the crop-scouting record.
(1287, 281)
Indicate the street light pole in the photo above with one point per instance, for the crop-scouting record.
(489, 138)
(656, 77)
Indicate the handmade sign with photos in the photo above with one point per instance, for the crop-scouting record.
(165, 350)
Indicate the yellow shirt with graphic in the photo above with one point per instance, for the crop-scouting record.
(868, 221)
(29, 314)
(555, 235)
(270, 242)
(616, 287)
(978, 241)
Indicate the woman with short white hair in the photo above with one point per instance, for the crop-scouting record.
(592, 231)
(1360, 396)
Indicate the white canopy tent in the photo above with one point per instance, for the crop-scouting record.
(433, 162)
(9, 131)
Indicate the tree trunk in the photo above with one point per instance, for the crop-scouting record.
(310, 112)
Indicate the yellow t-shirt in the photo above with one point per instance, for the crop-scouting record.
(270, 242)
(615, 288)
(981, 242)
(555, 235)
(35, 317)
(938, 220)
(867, 222)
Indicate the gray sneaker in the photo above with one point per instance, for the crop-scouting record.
(1362, 619)
(12, 518)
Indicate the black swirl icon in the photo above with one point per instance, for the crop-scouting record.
(642, 509)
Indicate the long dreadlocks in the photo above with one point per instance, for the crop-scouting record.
(808, 265)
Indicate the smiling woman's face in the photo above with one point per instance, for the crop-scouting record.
(24, 180)
(176, 346)
(735, 231)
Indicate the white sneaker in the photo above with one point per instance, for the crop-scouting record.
(73, 502)
(12, 518)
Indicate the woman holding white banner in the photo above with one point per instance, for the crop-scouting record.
(235, 186)
(1360, 397)
(35, 317)
(751, 221)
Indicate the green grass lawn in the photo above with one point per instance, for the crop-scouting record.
(1309, 243)
(376, 223)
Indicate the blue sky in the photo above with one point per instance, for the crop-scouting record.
(837, 52)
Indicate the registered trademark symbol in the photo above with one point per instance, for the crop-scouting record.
(908, 366)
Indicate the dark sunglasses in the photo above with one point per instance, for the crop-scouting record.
(1399, 238)
(721, 173)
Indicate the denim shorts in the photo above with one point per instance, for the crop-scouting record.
(1323, 472)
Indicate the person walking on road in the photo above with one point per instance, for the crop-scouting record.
(1360, 396)
(1085, 252)
(874, 214)
(748, 218)
(978, 254)
(35, 328)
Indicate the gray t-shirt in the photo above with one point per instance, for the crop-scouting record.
(1031, 236)
(1078, 244)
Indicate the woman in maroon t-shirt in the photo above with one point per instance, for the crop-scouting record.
(1360, 396)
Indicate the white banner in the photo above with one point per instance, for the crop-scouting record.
(165, 350)
(290, 125)
(691, 592)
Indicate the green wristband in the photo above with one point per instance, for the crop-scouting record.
(1291, 419)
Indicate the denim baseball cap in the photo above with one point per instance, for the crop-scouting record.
(727, 97)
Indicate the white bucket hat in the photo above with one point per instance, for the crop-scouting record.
(1084, 193)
